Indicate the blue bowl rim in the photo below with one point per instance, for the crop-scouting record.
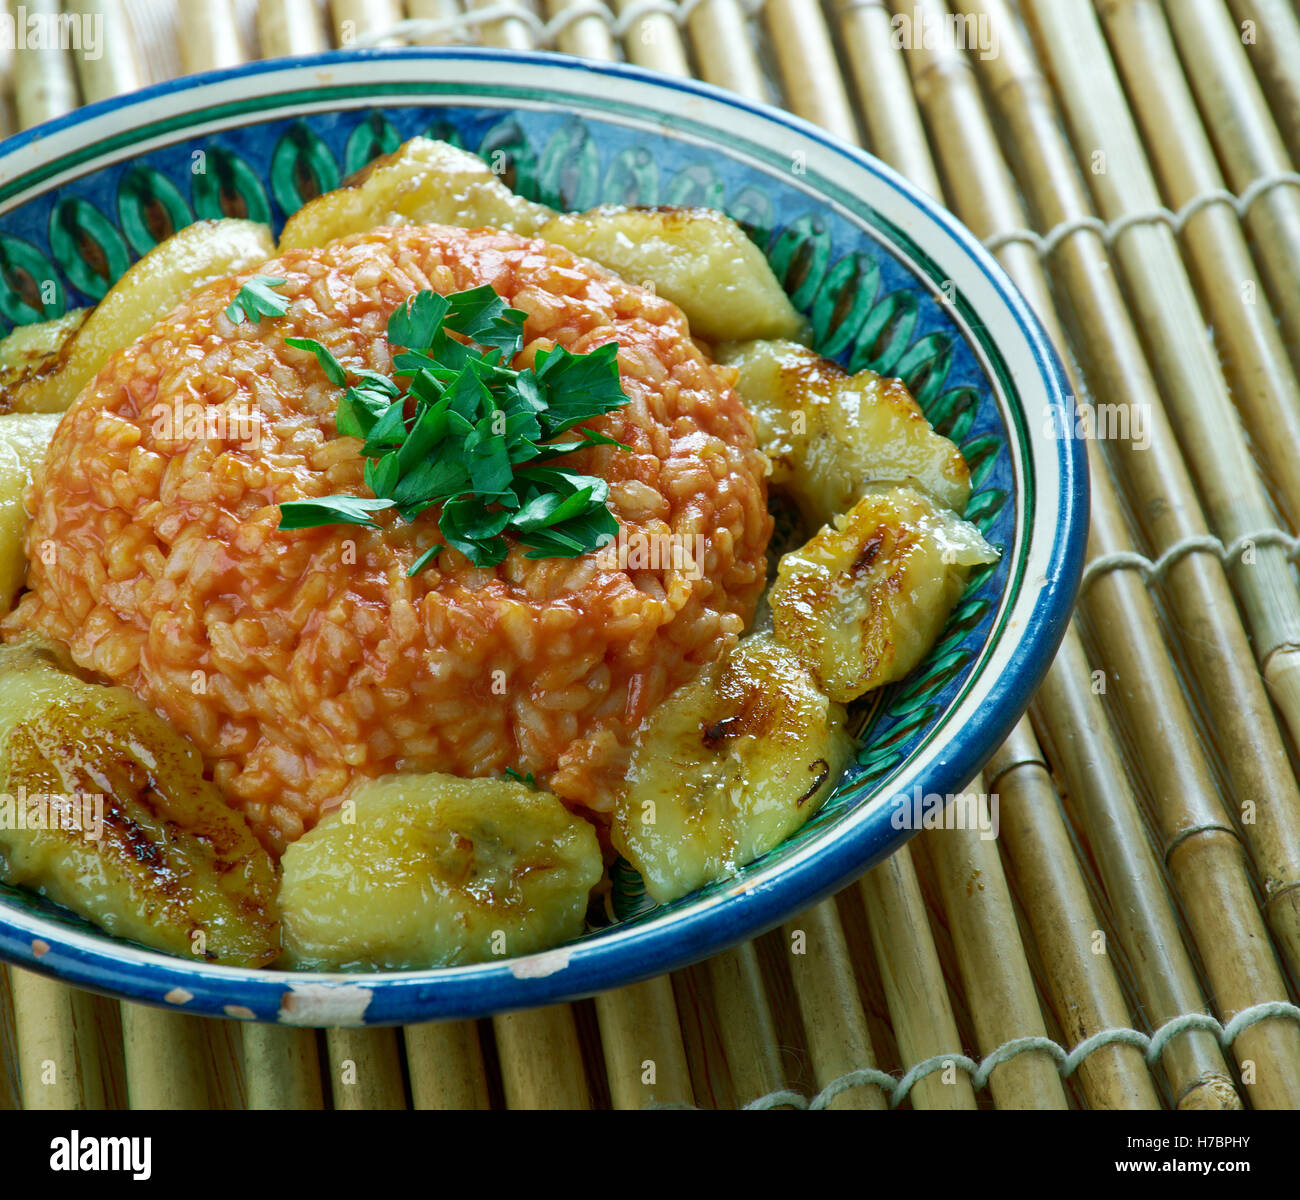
(596, 965)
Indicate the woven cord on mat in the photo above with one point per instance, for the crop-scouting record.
(1132, 938)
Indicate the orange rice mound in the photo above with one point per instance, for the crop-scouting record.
(300, 662)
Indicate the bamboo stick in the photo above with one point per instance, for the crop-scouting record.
(645, 1060)
(507, 32)
(919, 1007)
(208, 36)
(281, 1067)
(541, 1060)
(1054, 897)
(1146, 922)
(1248, 145)
(895, 110)
(809, 71)
(702, 1039)
(994, 970)
(1263, 385)
(8, 118)
(10, 1092)
(165, 1058)
(445, 1063)
(1214, 641)
(154, 36)
(885, 101)
(851, 908)
(222, 1048)
(720, 37)
(1270, 32)
(745, 1023)
(286, 27)
(587, 36)
(653, 40)
(943, 943)
(1167, 311)
(822, 969)
(1168, 985)
(365, 1068)
(115, 67)
(44, 81)
(107, 1020)
(1031, 122)
(59, 1056)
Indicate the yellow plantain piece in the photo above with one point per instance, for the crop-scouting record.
(832, 436)
(108, 814)
(727, 768)
(150, 289)
(699, 259)
(30, 351)
(24, 438)
(433, 870)
(864, 600)
(422, 182)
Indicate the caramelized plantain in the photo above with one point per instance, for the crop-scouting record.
(32, 351)
(864, 600)
(699, 259)
(833, 436)
(422, 182)
(24, 438)
(434, 870)
(105, 810)
(727, 768)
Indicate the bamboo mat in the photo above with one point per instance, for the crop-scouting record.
(1132, 939)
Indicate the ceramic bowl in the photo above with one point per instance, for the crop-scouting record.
(888, 280)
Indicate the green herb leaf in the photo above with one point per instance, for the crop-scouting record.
(374, 381)
(329, 364)
(481, 315)
(358, 410)
(388, 432)
(573, 537)
(469, 516)
(578, 386)
(478, 442)
(331, 510)
(383, 475)
(489, 465)
(600, 439)
(432, 480)
(256, 300)
(425, 559)
(414, 324)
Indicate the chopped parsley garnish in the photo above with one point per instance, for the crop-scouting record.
(328, 363)
(511, 773)
(463, 430)
(256, 300)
